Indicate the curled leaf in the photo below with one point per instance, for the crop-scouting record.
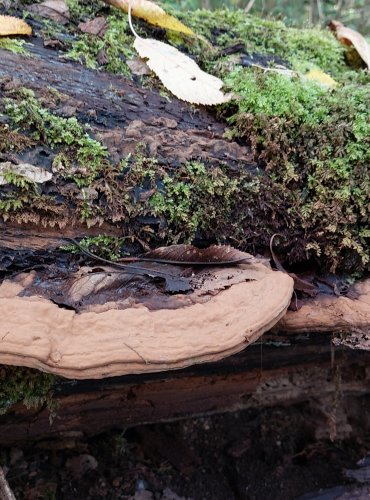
(10, 25)
(180, 74)
(153, 14)
(349, 36)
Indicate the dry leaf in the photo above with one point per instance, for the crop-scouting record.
(180, 74)
(317, 75)
(153, 14)
(190, 255)
(10, 25)
(56, 10)
(35, 174)
(349, 36)
(97, 26)
(138, 67)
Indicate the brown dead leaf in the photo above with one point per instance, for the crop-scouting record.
(349, 36)
(190, 255)
(138, 67)
(10, 25)
(30, 172)
(97, 26)
(152, 13)
(106, 287)
(180, 74)
(56, 10)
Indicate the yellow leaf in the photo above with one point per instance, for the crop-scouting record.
(352, 37)
(317, 75)
(180, 74)
(153, 14)
(10, 25)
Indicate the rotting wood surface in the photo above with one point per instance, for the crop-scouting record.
(282, 370)
(124, 113)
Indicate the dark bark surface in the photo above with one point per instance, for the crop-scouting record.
(282, 370)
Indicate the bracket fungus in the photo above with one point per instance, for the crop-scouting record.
(229, 308)
(348, 316)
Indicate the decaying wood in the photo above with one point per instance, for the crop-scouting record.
(282, 370)
(123, 113)
(292, 365)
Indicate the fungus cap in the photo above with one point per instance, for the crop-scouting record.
(107, 342)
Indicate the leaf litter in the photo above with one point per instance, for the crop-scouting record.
(153, 14)
(156, 285)
(179, 73)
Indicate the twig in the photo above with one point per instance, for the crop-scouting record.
(249, 6)
(5, 491)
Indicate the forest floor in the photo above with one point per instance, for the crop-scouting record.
(273, 453)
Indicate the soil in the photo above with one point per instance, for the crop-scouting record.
(273, 453)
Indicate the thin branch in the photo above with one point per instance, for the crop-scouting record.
(5, 491)
(249, 6)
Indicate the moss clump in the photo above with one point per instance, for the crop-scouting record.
(108, 247)
(299, 47)
(12, 141)
(194, 199)
(311, 143)
(314, 144)
(32, 387)
(14, 45)
(82, 156)
(114, 46)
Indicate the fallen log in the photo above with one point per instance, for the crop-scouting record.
(126, 162)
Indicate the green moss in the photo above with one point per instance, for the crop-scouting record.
(108, 247)
(116, 45)
(32, 387)
(14, 45)
(27, 112)
(194, 199)
(81, 9)
(314, 145)
(265, 36)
